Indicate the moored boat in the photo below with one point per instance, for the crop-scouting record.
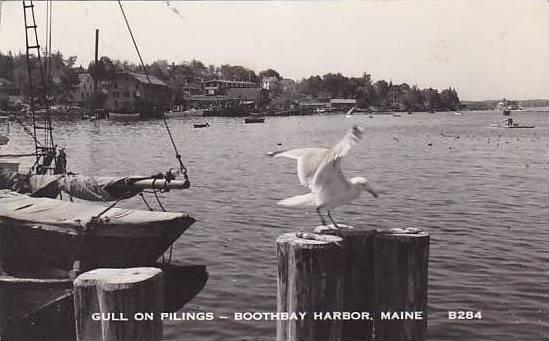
(57, 233)
(184, 113)
(509, 123)
(254, 119)
(201, 125)
(121, 116)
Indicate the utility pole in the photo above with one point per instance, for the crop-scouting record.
(96, 66)
(96, 61)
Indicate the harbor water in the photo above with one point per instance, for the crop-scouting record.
(482, 193)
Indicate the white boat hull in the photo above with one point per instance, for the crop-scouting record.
(117, 116)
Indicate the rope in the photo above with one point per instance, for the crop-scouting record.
(158, 201)
(145, 201)
(156, 196)
(88, 226)
(177, 155)
(27, 130)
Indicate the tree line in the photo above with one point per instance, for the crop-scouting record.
(380, 94)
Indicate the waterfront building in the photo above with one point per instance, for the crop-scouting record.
(288, 85)
(269, 83)
(216, 87)
(342, 103)
(311, 104)
(129, 89)
(84, 90)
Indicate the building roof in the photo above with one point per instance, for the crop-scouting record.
(343, 101)
(269, 79)
(142, 78)
(226, 81)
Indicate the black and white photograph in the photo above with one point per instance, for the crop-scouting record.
(298, 170)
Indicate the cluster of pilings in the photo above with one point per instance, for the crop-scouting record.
(353, 284)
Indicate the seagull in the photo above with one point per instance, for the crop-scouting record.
(319, 169)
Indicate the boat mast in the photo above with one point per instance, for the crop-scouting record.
(96, 61)
(45, 150)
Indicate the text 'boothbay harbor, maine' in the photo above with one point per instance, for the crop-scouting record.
(273, 170)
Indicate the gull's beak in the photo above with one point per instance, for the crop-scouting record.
(370, 190)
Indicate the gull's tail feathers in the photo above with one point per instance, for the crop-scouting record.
(298, 200)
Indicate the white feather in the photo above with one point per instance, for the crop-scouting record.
(299, 200)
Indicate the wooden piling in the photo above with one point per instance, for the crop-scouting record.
(117, 295)
(310, 279)
(359, 278)
(400, 273)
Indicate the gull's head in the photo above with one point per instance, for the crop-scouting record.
(364, 185)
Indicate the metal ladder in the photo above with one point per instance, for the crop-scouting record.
(45, 149)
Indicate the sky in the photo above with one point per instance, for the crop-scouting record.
(486, 49)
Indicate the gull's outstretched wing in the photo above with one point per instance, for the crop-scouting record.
(308, 161)
(329, 178)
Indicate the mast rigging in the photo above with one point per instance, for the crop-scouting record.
(182, 167)
(45, 149)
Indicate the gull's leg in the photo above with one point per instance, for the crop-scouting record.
(321, 217)
(330, 216)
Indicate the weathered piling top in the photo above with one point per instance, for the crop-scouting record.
(116, 279)
(307, 240)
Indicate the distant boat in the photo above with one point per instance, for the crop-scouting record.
(201, 125)
(184, 113)
(119, 116)
(254, 119)
(457, 113)
(509, 123)
(396, 115)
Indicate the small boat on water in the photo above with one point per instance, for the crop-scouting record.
(177, 112)
(457, 113)
(254, 119)
(201, 125)
(396, 115)
(120, 116)
(509, 123)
